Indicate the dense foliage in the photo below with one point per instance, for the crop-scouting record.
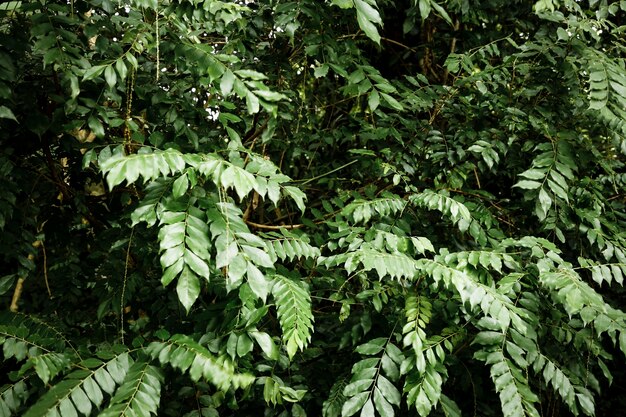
(290, 208)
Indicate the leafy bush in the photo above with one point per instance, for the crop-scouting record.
(312, 208)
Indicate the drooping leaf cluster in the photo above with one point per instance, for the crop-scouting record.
(349, 207)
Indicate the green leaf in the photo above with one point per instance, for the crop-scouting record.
(449, 407)
(93, 392)
(139, 394)
(297, 195)
(6, 113)
(110, 76)
(389, 391)
(442, 12)
(196, 264)
(251, 74)
(368, 11)
(81, 390)
(269, 95)
(96, 127)
(533, 174)
(252, 102)
(425, 8)
(187, 288)
(354, 404)
(368, 409)
(6, 283)
(149, 165)
(93, 72)
(81, 401)
(293, 304)
(373, 100)
(200, 364)
(236, 271)
(382, 405)
(48, 365)
(244, 345)
(344, 4)
(180, 186)
(258, 256)
(366, 17)
(173, 254)
(226, 83)
(266, 344)
(172, 272)
(586, 404)
(557, 190)
(358, 386)
(528, 185)
(67, 408)
(372, 347)
(239, 179)
(257, 281)
(121, 68)
(544, 203)
(392, 102)
(322, 70)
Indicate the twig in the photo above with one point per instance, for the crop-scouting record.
(130, 240)
(398, 43)
(477, 179)
(308, 180)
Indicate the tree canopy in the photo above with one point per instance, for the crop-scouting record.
(324, 208)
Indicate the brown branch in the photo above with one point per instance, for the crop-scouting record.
(477, 179)
(397, 43)
(17, 294)
(37, 244)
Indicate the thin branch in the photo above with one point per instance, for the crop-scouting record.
(127, 261)
(398, 43)
(308, 180)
